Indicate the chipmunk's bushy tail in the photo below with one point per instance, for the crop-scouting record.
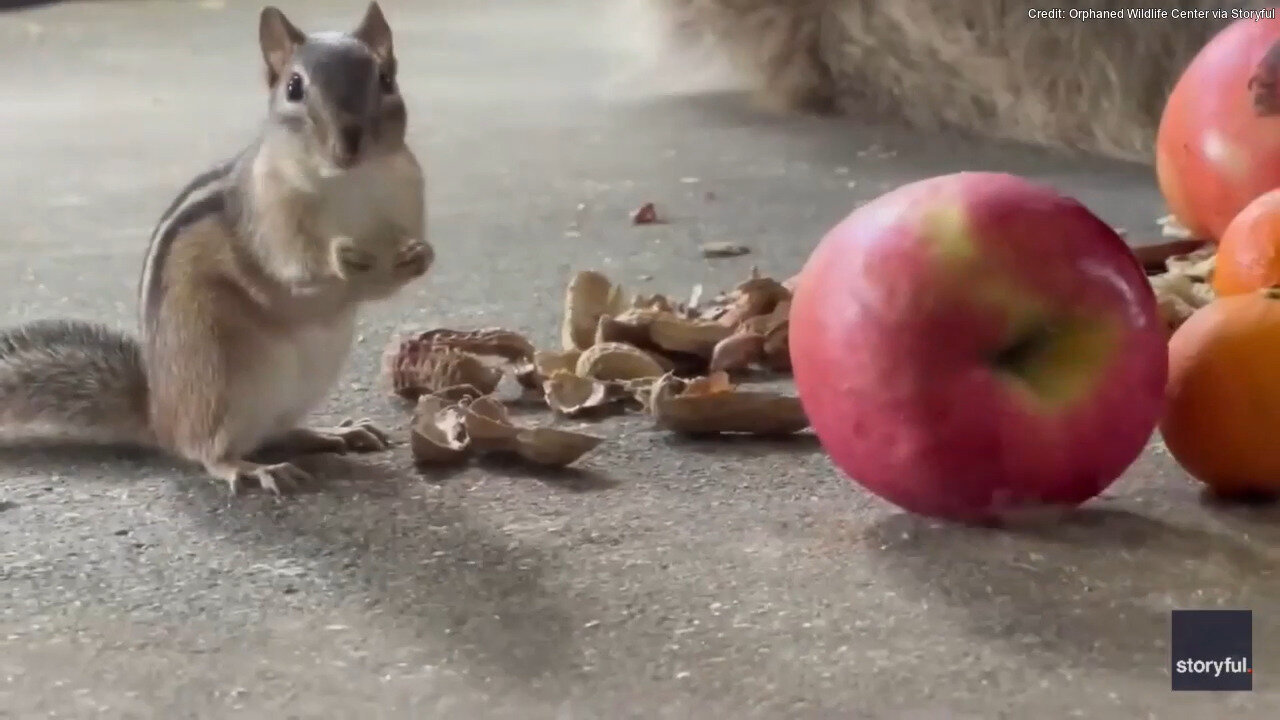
(770, 47)
(73, 380)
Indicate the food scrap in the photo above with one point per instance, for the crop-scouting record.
(438, 361)
(1170, 227)
(589, 296)
(713, 405)
(438, 435)
(646, 214)
(673, 361)
(737, 352)
(616, 361)
(446, 432)
(1184, 286)
(653, 334)
(572, 395)
(723, 250)
(1154, 257)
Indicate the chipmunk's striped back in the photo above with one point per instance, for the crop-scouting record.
(207, 194)
(247, 315)
(82, 380)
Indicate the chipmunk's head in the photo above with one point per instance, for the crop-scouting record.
(335, 93)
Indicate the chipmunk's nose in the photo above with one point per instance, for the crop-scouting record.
(351, 136)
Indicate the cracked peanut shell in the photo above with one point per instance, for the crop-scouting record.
(488, 424)
(630, 327)
(416, 368)
(712, 406)
(757, 295)
(438, 435)
(777, 348)
(553, 447)
(549, 362)
(616, 361)
(589, 295)
(737, 352)
(693, 337)
(571, 395)
(486, 342)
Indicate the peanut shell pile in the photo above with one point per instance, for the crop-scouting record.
(1180, 279)
(670, 360)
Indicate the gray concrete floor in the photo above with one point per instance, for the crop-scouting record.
(664, 579)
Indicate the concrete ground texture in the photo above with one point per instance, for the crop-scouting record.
(662, 578)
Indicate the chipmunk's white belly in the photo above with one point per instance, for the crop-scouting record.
(289, 377)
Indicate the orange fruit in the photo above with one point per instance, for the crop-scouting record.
(1249, 249)
(1223, 395)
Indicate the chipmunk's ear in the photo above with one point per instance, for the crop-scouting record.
(375, 32)
(278, 38)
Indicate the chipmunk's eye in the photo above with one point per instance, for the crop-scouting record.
(386, 82)
(293, 91)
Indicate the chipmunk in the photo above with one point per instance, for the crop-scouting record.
(252, 280)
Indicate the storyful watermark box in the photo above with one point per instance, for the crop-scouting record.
(1212, 650)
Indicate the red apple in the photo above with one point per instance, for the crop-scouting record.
(975, 345)
(1218, 142)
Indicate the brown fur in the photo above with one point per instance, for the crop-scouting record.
(190, 350)
(981, 66)
(226, 312)
(777, 44)
(75, 380)
(248, 311)
(219, 310)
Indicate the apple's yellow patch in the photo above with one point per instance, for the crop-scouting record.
(1062, 360)
(947, 230)
(1021, 307)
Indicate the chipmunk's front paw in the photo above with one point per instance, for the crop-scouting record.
(350, 436)
(361, 436)
(349, 260)
(412, 260)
